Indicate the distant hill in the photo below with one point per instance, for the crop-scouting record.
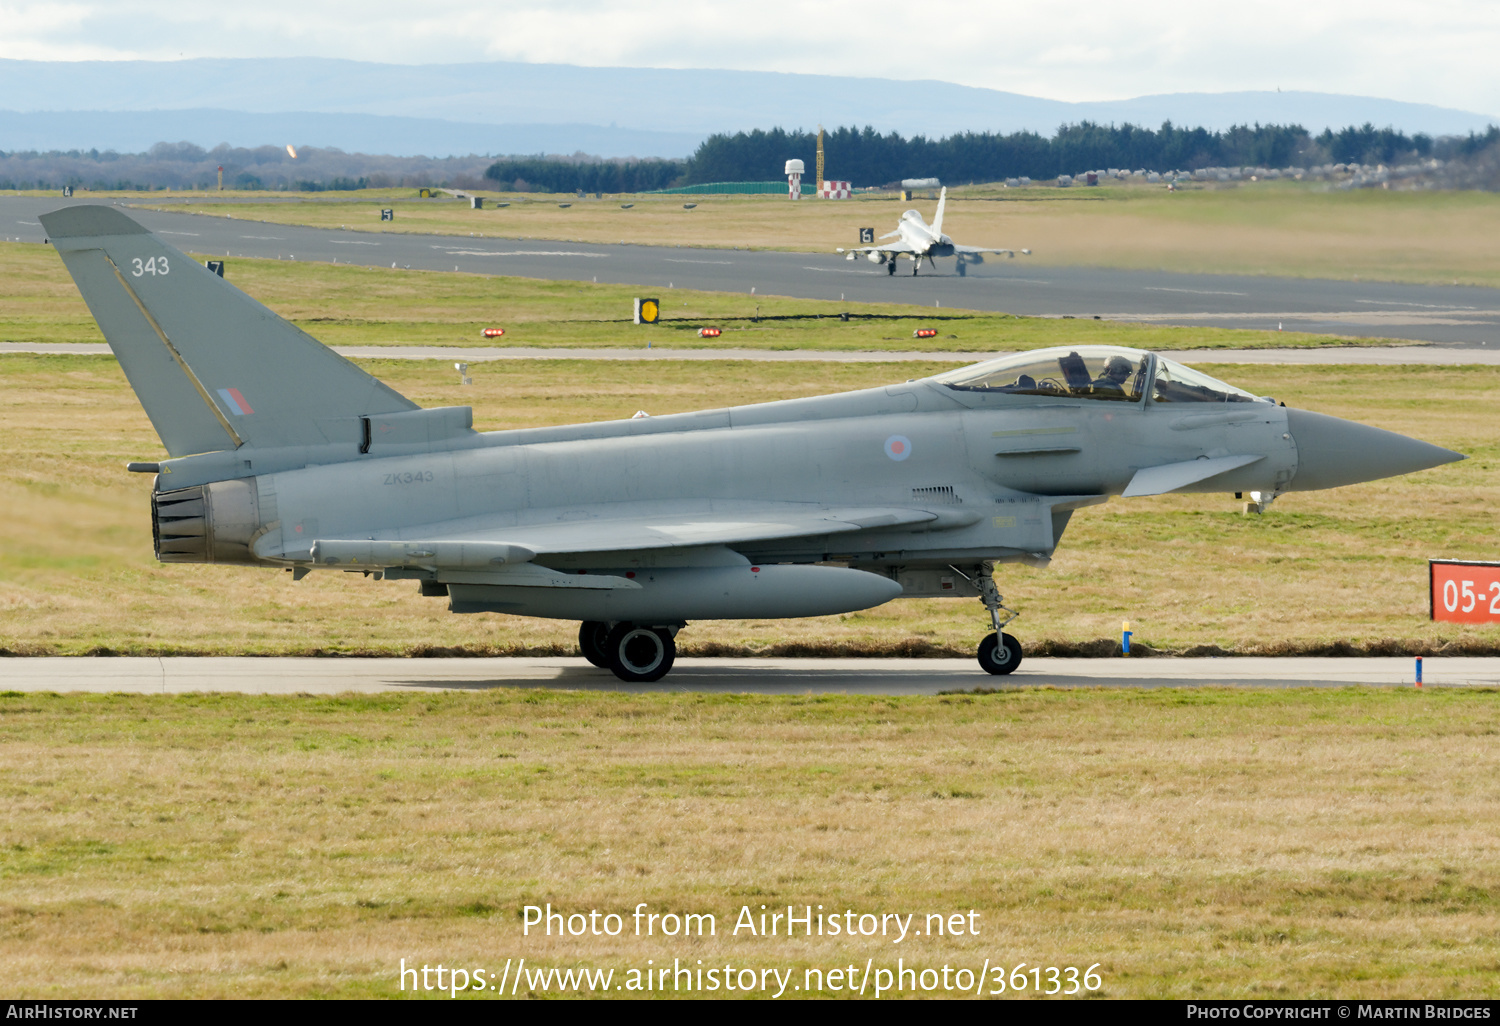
(443, 109)
(135, 131)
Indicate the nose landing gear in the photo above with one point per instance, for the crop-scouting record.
(999, 653)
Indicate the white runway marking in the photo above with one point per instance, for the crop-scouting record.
(342, 242)
(522, 252)
(1196, 292)
(670, 260)
(1427, 306)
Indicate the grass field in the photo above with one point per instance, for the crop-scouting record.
(1273, 228)
(1197, 843)
(1320, 569)
(344, 305)
(1193, 842)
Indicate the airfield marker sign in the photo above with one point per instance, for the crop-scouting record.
(1461, 591)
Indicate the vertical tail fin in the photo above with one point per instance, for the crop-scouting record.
(937, 222)
(214, 369)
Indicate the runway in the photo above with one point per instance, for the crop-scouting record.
(1446, 315)
(291, 676)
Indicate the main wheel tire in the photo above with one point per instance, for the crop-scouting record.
(640, 655)
(890, 267)
(593, 635)
(999, 655)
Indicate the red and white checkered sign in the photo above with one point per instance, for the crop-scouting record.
(834, 190)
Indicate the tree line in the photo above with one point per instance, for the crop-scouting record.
(541, 174)
(862, 156)
(867, 157)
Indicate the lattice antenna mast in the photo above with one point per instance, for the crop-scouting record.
(820, 160)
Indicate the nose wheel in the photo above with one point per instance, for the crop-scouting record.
(999, 653)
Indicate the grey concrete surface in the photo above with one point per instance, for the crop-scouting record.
(1368, 355)
(1448, 315)
(760, 676)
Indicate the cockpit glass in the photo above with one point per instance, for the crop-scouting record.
(1178, 384)
(1077, 372)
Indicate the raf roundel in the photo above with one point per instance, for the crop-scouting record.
(898, 447)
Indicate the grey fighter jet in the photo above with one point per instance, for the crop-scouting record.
(916, 240)
(282, 454)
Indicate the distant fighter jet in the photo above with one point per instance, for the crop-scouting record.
(916, 240)
(283, 454)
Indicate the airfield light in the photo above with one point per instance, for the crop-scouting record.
(709, 332)
(492, 332)
(463, 371)
(1125, 633)
(924, 333)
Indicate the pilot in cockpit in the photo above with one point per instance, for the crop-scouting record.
(1117, 370)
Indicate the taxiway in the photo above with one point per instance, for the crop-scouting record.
(1447, 315)
(248, 675)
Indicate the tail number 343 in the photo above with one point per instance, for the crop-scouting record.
(153, 265)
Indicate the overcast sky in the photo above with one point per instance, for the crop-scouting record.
(1439, 51)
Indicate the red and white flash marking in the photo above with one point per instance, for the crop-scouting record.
(898, 447)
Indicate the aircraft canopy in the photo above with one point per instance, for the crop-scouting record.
(1110, 373)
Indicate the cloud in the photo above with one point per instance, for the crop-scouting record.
(1439, 52)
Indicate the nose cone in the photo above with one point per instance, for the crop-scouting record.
(1333, 452)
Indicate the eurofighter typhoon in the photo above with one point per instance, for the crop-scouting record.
(282, 454)
(916, 240)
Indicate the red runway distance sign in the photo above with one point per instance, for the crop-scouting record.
(1460, 592)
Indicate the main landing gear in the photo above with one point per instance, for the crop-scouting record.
(636, 654)
(890, 266)
(999, 653)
